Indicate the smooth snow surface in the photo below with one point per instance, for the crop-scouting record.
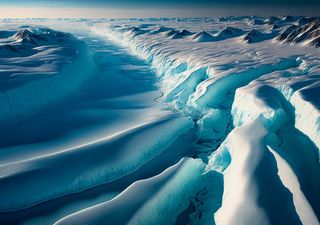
(41, 60)
(160, 121)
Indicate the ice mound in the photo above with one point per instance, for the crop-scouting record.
(228, 32)
(171, 32)
(254, 36)
(134, 31)
(34, 63)
(289, 18)
(308, 33)
(160, 30)
(174, 34)
(185, 32)
(27, 36)
(203, 37)
(36, 35)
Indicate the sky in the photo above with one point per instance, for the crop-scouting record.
(155, 8)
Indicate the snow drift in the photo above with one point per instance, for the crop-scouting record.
(37, 67)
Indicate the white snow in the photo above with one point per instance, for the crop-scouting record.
(38, 66)
(166, 194)
(241, 80)
(245, 88)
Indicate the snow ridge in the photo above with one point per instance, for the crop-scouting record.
(259, 100)
(245, 120)
(40, 59)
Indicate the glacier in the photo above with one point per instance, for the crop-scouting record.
(150, 197)
(161, 121)
(39, 59)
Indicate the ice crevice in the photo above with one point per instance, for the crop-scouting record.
(194, 88)
(248, 124)
(288, 155)
(98, 143)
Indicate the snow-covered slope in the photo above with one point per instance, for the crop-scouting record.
(200, 77)
(149, 198)
(236, 72)
(37, 67)
(255, 36)
(240, 143)
(306, 31)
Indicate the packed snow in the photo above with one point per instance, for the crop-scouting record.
(36, 66)
(160, 121)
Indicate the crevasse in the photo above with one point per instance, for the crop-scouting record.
(264, 115)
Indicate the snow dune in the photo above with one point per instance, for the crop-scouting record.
(203, 37)
(102, 164)
(149, 198)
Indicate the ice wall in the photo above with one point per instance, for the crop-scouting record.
(269, 101)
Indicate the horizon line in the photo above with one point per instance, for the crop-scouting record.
(149, 12)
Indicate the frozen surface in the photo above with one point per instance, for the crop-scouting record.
(180, 121)
(37, 66)
(149, 199)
